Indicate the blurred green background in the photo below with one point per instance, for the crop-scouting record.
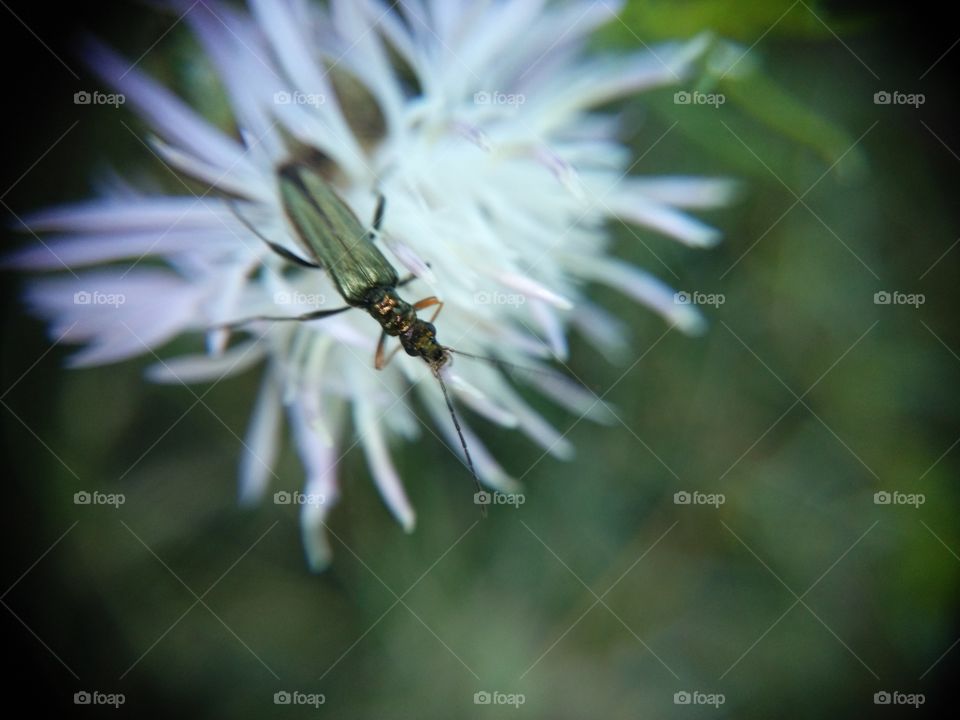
(601, 597)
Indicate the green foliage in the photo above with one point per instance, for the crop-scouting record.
(744, 21)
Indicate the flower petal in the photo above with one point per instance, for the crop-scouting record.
(187, 369)
(118, 315)
(170, 116)
(645, 288)
(261, 444)
(321, 464)
(370, 429)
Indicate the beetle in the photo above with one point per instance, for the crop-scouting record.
(338, 243)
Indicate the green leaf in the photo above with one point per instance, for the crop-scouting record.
(669, 19)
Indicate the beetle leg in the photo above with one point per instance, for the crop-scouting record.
(379, 360)
(429, 302)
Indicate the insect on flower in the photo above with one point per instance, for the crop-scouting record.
(365, 279)
(487, 127)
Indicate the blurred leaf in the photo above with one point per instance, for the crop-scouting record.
(762, 97)
(766, 124)
(652, 20)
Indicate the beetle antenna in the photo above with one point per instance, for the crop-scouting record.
(503, 364)
(463, 442)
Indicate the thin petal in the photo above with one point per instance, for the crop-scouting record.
(664, 219)
(242, 63)
(479, 401)
(644, 288)
(188, 369)
(548, 321)
(684, 192)
(118, 315)
(288, 41)
(370, 428)
(165, 112)
(132, 214)
(321, 464)
(261, 444)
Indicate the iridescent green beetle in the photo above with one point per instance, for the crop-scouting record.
(339, 244)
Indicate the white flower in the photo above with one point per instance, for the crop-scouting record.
(475, 121)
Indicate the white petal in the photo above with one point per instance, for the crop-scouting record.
(242, 63)
(132, 214)
(208, 368)
(118, 315)
(487, 36)
(471, 396)
(168, 114)
(293, 50)
(77, 251)
(322, 413)
(533, 425)
(321, 465)
(662, 218)
(529, 286)
(262, 443)
(370, 429)
(606, 79)
(364, 55)
(562, 170)
(444, 18)
(389, 22)
(217, 177)
(541, 432)
(550, 324)
(644, 288)
(603, 330)
(553, 41)
(684, 192)
(313, 533)
(569, 393)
